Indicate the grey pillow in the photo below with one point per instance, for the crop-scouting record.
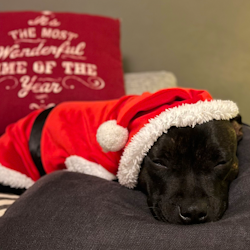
(67, 210)
(137, 83)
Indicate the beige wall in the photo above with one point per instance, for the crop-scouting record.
(205, 43)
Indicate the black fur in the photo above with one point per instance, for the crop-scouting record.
(187, 173)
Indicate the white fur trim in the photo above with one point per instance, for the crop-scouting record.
(111, 136)
(182, 116)
(76, 163)
(14, 179)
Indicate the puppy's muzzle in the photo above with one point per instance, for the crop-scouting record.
(194, 212)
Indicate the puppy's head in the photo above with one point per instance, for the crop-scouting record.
(186, 174)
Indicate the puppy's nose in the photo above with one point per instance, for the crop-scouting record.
(194, 213)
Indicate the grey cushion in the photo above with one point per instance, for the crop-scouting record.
(67, 210)
(137, 83)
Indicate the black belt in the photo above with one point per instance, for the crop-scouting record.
(35, 140)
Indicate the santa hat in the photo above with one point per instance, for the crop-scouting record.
(141, 120)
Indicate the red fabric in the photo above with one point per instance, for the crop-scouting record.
(71, 127)
(160, 100)
(47, 58)
(14, 145)
(138, 110)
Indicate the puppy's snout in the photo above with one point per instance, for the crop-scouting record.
(193, 213)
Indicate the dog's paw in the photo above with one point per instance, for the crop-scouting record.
(76, 163)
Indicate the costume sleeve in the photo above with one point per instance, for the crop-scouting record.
(76, 163)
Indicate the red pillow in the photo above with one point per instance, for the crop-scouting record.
(47, 58)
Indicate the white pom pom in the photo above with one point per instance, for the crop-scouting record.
(111, 136)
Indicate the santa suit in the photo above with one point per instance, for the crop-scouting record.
(83, 134)
(70, 129)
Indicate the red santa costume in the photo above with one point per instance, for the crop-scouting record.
(105, 138)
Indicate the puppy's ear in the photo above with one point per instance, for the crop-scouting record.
(237, 125)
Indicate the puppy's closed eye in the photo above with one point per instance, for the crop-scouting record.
(159, 163)
(223, 169)
(222, 163)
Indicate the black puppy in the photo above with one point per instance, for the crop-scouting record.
(187, 173)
